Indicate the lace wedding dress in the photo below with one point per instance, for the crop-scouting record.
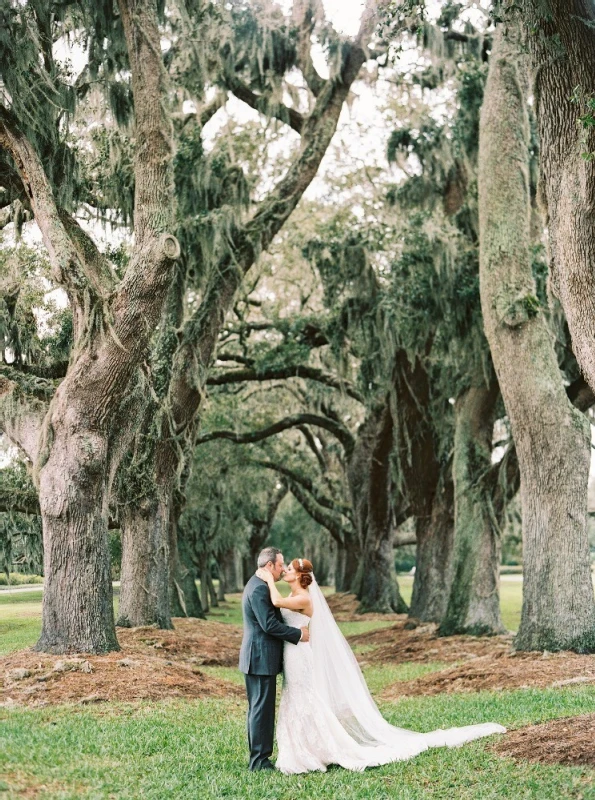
(327, 715)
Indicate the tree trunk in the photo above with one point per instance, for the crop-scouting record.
(204, 588)
(86, 429)
(428, 488)
(231, 565)
(474, 602)
(77, 611)
(371, 483)
(211, 586)
(144, 581)
(433, 563)
(552, 438)
(184, 600)
(561, 41)
(197, 337)
(380, 590)
(221, 589)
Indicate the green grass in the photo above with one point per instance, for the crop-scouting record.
(191, 749)
(198, 749)
(20, 614)
(511, 596)
(20, 619)
(378, 677)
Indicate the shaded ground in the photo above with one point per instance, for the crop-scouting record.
(152, 665)
(569, 741)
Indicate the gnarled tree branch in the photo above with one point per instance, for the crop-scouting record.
(292, 371)
(293, 421)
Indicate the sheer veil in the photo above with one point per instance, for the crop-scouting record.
(338, 681)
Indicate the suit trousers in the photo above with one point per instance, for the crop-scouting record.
(261, 691)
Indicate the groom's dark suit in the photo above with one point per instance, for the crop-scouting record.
(261, 659)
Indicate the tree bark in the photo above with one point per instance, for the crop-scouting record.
(433, 565)
(204, 588)
(427, 486)
(231, 564)
(561, 41)
(349, 559)
(371, 487)
(197, 337)
(552, 438)
(474, 601)
(221, 587)
(184, 600)
(144, 584)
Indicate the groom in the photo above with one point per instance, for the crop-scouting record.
(261, 656)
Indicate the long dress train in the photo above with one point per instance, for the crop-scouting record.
(327, 715)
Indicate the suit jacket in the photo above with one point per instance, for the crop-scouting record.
(264, 631)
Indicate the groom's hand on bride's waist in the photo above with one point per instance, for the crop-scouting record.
(305, 634)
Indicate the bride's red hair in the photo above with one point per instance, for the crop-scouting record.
(304, 571)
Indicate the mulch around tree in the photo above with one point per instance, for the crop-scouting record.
(499, 671)
(569, 741)
(479, 662)
(152, 665)
(399, 643)
(344, 607)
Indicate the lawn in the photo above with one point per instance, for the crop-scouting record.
(197, 748)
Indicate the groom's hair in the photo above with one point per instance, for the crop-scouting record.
(266, 555)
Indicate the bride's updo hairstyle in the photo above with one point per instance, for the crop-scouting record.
(304, 568)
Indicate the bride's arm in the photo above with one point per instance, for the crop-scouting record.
(299, 603)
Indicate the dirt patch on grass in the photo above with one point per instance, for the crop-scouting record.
(569, 741)
(152, 665)
(502, 670)
(344, 606)
(203, 642)
(421, 644)
(482, 663)
(22, 785)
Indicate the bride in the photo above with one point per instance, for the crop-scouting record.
(326, 714)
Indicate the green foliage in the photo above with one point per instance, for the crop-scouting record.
(40, 88)
(531, 305)
(586, 119)
(20, 534)
(19, 579)
(115, 551)
(225, 496)
(261, 43)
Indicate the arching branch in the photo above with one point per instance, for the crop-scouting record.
(320, 515)
(293, 421)
(66, 266)
(21, 501)
(312, 444)
(279, 373)
(260, 103)
(308, 485)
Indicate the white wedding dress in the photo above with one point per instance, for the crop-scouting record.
(327, 715)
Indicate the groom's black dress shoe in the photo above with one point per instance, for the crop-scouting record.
(264, 765)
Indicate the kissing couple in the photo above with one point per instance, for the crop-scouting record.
(326, 714)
